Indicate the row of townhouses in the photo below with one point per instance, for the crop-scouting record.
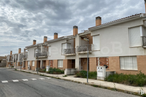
(120, 45)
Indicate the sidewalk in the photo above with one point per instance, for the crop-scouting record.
(110, 85)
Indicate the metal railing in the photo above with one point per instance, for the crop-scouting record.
(83, 48)
(69, 51)
(143, 40)
(39, 53)
(25, 55)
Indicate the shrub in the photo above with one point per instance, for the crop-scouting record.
(135, 80)
(55, 71)
(83, 74)
(144, 95)
(42, 70)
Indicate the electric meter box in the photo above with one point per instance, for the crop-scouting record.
(101, 72)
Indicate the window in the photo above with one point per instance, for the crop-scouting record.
(96, 42)
(128, 63)
(32, 63)
(134, 37)
(60, 63)
(49, 51)
(28, 63)
(65, 46)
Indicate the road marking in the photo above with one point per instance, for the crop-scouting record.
(5, 81)
(48, 77)
(42, 78)
(33, 79)
(25, 79)
(15, 80)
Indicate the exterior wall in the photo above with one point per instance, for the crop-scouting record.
(47, 63)
(55, 63)
(65, 64)
(56, 52)
(84, 63)
(33, 67)
(92, 64)
(115, 42)
(26, 65)
(115, 65)
(31, 54)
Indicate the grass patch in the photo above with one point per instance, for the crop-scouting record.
(83, 74)
(55, 71)
(128, 79)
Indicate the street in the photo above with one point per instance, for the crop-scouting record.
(21, 84)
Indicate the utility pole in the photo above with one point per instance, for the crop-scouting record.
(87, 62)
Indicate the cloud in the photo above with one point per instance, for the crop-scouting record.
(21, 21)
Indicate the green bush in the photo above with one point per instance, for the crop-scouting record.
(83, 74)
(135, 80)
(55, 71)
(144, 95)
(42, 70)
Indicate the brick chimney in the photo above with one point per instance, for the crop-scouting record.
(75, 30)
(10, 52)
(55, 35)
(98, 21)
(34, 42)
(19, 50)
(145, 5)
(45, 39)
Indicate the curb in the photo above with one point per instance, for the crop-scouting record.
(91, 84)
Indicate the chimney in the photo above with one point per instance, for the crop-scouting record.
(34, 42)
(75, 30)
(55, 35)
(98, 21)
(145, 5)
(19, 51)
(45, 39)
(10, 52)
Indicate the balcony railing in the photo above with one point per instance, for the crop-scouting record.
(84, 48)
(69, 51)
(40, 54)
(144, 41)
(10, 58)
(25, 55)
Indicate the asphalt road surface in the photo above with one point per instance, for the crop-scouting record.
(21, 84)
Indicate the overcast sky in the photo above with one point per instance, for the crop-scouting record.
(22, 21)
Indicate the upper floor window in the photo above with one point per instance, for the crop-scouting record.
(96, 42)
(134, 37)
(65, 46)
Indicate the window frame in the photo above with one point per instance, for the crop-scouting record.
(133, 65)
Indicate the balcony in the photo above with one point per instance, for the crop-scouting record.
(69, 52)
(41, 53)
(25, 55)
(83, 49)
(9, 58)
(144, 41)
(20, 57)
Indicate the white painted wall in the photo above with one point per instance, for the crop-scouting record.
(56, 50)
(114, 41)
(31, 54)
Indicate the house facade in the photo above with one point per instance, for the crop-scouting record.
(119, 45)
